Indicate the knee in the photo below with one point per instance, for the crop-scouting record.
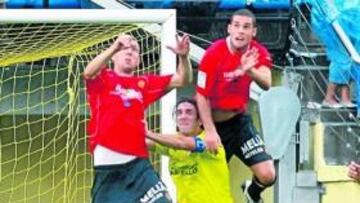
(267, 179)
(266, 176)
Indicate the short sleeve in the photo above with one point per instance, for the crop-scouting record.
(207, 72)
(156, 87)
(97, 84)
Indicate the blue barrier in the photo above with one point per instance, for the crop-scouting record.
(64, 4)
(223, 4)
(230, 4)
(43, 3)
(271, 4)
(153, 3)
(166, 3)
(257, 4)
(24, 4)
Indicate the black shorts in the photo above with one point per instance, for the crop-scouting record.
(133, 182)
(239, 137)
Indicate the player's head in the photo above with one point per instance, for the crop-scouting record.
(241, 29)
(187, 117)
(127, 58)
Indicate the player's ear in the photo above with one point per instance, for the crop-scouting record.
(254, 32)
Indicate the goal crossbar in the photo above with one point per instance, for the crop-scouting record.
(85, 16)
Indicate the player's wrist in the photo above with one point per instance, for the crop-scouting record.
(250, 71)
(150, 134)
(239, 72)
(199, 144)
(112, 49)
(183, 56)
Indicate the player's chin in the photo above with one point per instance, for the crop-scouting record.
(129, 68)
(184, 129)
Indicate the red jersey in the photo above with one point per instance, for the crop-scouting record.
(216, 63)
(118, 106)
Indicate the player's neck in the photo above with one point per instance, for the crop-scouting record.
(193, 133)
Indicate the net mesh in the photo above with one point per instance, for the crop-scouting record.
(43, 109)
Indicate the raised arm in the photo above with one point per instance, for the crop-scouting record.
(183, 75)
(261, 75)
(95, 65)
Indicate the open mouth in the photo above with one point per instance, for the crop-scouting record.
(183, 124)
(239, 39)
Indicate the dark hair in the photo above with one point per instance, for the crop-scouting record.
(244, 12)
(190, 101)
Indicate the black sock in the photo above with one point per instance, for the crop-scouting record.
(255, 189)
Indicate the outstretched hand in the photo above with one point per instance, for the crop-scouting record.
(182, 46)
(121, 41)
(248, 60)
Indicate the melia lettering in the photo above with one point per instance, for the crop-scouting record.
(154, 193)
(250, 144)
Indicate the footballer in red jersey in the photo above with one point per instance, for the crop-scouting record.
(225, 73)
(118, 100)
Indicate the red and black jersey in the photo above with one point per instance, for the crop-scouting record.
(117, 106)
(216, 63)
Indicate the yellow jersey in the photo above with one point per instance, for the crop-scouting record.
(199, 176)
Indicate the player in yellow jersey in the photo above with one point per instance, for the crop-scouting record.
(199, 176)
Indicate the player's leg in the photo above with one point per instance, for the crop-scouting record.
(227, 135)
(250, 149)
(150, 187)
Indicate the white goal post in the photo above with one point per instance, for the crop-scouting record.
(40, 46)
